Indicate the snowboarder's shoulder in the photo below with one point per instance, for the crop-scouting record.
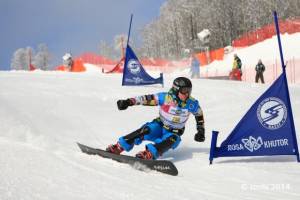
(192, 99)
(163, 97)
(162, 94)
(192, 104)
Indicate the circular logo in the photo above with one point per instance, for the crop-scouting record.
(191, 106)
(272, 113)
(134, 66)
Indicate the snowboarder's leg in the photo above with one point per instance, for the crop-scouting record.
(136, 137)
(168, 141)
(149, 131)
(126, 142)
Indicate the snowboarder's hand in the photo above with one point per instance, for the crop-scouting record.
(123, 104)
(200, 135)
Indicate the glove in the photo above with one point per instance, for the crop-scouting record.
(123, 104)
(200, 135)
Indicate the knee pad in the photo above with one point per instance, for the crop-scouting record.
(138, 141)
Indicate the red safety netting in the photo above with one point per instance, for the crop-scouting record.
(266, 32)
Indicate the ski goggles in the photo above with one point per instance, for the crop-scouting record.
(185, 90)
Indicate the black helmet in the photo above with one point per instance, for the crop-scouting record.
(182, 85)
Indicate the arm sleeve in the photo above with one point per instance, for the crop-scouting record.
(199, 120)
(198, 113)
(146, 100)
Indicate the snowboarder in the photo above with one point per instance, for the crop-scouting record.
(166, 130)
(259, 68)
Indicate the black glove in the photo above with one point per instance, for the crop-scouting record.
(123, 104)
(200, 135)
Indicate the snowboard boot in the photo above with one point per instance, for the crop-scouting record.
(145, 155)
(115, 148)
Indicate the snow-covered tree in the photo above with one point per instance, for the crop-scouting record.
(106, 50)
(120, 42)
(179, 22)
(42, 57)
(21, 59)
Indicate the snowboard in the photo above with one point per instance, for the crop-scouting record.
(163, 166)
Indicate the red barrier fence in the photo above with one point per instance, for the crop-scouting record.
(266, 32)
(206, 58)
(156, 63)
(250, 38)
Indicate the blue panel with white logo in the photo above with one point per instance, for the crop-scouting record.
(267, 128)
(134, 73)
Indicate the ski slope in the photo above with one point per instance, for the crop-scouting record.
(44, 114)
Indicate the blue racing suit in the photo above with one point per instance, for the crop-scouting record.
(164, 131)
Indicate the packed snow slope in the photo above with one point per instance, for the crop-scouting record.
(44, 114)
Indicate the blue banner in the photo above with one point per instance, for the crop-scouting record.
(266, 129)
(134, 73)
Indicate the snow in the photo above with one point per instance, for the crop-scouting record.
(44, 114)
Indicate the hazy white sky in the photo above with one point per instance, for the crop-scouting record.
(69, 25)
